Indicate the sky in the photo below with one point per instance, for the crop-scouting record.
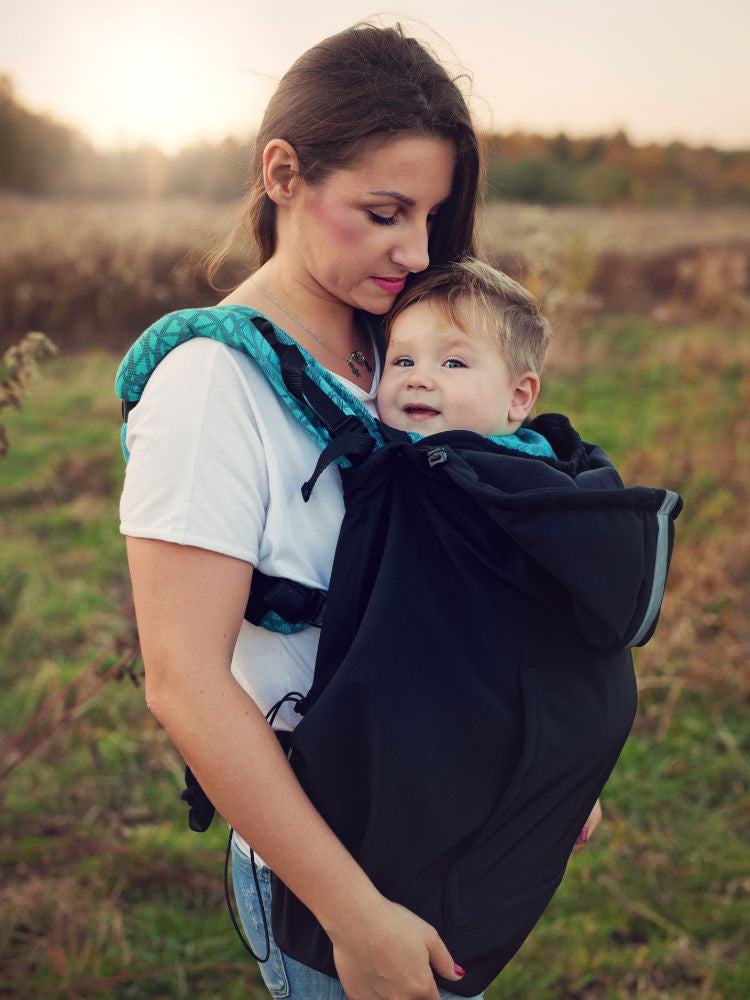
(172, 72)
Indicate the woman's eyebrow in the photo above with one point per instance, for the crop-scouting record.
(403, 198)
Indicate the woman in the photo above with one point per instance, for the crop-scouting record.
(366, 169)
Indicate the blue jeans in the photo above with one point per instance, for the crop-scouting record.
(284, 976)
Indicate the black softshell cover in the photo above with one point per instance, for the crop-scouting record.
(473, 688)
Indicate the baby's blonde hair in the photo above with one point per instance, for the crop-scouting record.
(503, 306)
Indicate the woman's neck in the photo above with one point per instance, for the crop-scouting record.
(324, 326)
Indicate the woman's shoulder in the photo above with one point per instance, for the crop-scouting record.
(220, 324)
(189, 345)
(203, 366)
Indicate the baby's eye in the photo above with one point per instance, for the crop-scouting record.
(382, 220)
(454, 363)
(403, 363)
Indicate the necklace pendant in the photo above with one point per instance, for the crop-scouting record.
(359, 357)
(354, 370)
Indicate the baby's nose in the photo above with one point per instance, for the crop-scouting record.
(420, 378)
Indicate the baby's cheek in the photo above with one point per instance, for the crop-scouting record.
(383, 402)
(481, 416)
(387, 409)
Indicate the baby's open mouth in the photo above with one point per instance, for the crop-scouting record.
(418, 411)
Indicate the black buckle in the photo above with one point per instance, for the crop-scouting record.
(201, 810)
(316, 605)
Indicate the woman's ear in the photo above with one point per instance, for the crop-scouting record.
(280, 170)
(523, 397)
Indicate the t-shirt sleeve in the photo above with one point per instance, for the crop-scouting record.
(197, 473)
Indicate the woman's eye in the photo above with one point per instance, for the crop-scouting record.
(383, 220)
(454, 363)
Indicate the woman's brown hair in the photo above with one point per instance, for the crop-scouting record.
(361, 86)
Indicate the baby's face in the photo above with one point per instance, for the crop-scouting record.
(437, 378)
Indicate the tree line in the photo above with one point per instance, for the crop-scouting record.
(41, 156)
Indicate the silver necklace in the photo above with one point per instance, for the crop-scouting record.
(355, 356)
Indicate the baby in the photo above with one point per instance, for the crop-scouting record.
(466, 345)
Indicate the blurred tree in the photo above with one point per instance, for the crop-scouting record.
(561, 148)
(41, 156)
(532, 178)
(37, 154)
(209, 171)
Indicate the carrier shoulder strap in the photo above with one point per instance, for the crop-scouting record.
(335, 419)
(319, 401)
(349, 437)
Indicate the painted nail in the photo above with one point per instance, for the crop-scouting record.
(458, 970)
(583, 836)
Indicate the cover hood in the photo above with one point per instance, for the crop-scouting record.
(607, 544)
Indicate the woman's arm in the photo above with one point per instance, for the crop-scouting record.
(189, 605)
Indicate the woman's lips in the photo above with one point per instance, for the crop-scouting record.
(392, 285)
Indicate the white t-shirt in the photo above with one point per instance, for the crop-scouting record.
(217, 461)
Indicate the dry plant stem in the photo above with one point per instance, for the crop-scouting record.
(124, 665)
(21, 361)
(648, 913)
(117, 643)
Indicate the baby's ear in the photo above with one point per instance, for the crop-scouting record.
(523, 397)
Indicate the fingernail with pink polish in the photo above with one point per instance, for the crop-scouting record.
(458, 970)
(583, 836)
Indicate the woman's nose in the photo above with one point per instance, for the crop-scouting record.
(412, 251)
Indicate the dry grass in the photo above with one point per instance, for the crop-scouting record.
(534, 229)
(94, 274)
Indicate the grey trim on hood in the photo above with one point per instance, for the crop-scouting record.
(661, 552)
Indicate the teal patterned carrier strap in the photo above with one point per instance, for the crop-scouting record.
(236, 327)
(233, 325)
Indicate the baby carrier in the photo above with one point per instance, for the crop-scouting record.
(474, 683)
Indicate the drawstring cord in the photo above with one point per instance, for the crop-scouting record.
(296, 697)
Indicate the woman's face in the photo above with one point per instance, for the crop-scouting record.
(362, 230)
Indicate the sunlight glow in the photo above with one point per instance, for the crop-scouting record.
(172, 72)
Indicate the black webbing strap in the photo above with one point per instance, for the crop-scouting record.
(293, 601)
(349, 436)
(352, 440)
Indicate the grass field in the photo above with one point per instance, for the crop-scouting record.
(105, 893)
(103, 890)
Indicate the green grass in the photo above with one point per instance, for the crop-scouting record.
(104, 892)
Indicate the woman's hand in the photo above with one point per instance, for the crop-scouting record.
(390, 955)
(595, 818)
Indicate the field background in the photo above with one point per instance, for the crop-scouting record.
(103, 891)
